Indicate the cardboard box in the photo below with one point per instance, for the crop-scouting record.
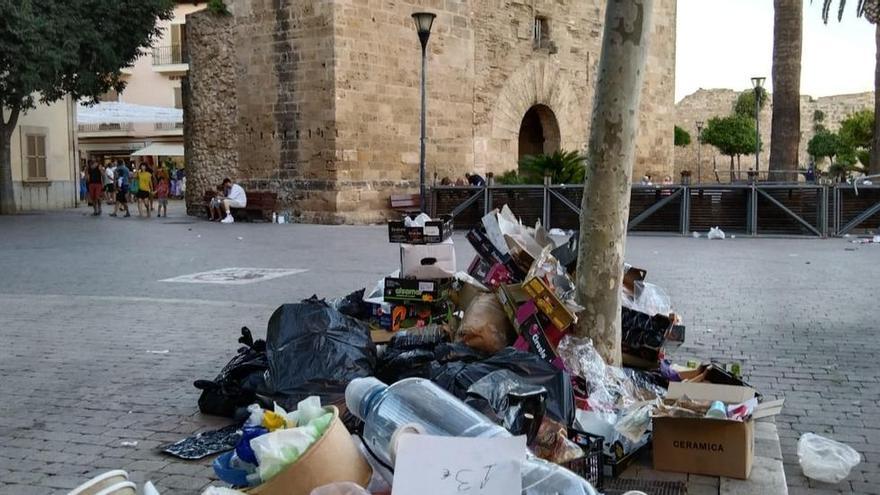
(533, 331)
(549, 304)
(415, 290)
(479, 268)
(434, 231)
(713, 447)
(428, 261)
(489, 253)
(512, 296)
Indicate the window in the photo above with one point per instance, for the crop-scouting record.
(178, 98)
(35, 156)
(541, 32)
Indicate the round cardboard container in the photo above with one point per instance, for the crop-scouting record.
(334, 457)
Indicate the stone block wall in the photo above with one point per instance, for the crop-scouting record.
(210, 107)
(707, 103)
(326, 93)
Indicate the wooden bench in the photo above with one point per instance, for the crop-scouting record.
(260, 205)
(406, 203)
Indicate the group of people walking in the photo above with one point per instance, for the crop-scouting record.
(120, 183)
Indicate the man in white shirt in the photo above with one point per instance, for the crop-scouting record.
(235, 198)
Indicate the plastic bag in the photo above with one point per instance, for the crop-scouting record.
(353, 305)
(340, 488)
(552, 443)
(549, 269)
(510, 401)
(314, 349)
(457, 378)
(824, 459)
(236, 385)
(280, 448)
(485, 325)
(649, 299)
(715, 233)
(418, 221)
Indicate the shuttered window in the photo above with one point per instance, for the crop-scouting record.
(35, 156)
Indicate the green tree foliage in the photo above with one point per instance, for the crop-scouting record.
(510, 178)
(682, 137)
(218, 7)
(52, 48)
(825, 144)
(733, 135)
(745, 103)
(857, 129)
(563, 167)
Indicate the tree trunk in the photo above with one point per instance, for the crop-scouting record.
(605, 206)
(874, 167)
(785, 130)
(7, 196)
(732, 171)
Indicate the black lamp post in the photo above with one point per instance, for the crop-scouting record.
(758, 84)
(424, 21)
(699, 150)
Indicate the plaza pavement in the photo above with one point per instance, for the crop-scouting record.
(82, 307)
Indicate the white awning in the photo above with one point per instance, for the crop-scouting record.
(112, 112)
(160, 149)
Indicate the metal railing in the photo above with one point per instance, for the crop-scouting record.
(756, 209)
(167, 126)
(169, 55)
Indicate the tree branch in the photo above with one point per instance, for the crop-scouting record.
(9, 125)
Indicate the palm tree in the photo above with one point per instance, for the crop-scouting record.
(785, 132)
(870, 9)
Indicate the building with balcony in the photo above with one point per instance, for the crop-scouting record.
(148, 111)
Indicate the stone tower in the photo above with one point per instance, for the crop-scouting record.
(319, 100)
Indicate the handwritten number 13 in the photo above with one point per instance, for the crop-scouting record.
(464, 485)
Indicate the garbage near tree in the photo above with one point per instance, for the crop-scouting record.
(492, 352)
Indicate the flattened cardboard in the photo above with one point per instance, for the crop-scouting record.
(729, 394)
(532, 330)
(428, 261)
(512, 296)
(704, 446)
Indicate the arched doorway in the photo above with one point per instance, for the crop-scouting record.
(538, 132)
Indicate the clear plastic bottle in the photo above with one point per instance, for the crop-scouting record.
(420, 405)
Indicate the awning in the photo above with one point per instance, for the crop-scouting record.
(160, 149)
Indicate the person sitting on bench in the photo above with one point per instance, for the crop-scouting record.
(235, 198)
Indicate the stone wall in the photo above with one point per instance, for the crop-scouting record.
(209, 107)
(327, 93)
(707, 103)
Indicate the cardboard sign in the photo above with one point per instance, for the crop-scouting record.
(431, 465)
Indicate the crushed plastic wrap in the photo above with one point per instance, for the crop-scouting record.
(485, 325)
(552, 443)
(549, 269)
(716, 233)
(510, 401)
(648, 298)
(824, 459)
(419, 221)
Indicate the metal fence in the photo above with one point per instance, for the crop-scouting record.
(755, 209)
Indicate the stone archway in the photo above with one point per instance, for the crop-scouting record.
(539, 132)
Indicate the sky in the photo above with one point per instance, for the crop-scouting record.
(723, 43)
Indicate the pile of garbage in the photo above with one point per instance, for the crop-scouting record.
(487, 355)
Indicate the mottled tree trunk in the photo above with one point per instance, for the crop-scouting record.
(875, 146)
(785, 131)
(605, 207)
(7, 197)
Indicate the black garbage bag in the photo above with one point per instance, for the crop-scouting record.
(456, 351)
(236, 385)
(397, 365)
(313, 349)
(507, 399)
(353, 305)
(458, 376)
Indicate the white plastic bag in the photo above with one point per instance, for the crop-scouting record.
(652, 299)
(824, 459)
(715, 233)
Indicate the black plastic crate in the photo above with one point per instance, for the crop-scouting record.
(588, 467)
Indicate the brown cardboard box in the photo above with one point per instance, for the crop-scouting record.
(548, 303)
(713, 447)
(512, 296)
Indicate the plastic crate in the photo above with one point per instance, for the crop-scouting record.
(590, 466)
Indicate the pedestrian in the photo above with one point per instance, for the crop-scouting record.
(163, 187)
(214, 207)
(83, 183)
(123, 179)
(475, 180)
(235, 198)
(110, 182)
(145, 190)
(96, 187)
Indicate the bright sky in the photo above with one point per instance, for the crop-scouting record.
(723, 43)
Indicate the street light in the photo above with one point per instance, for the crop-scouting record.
(423, 21)
(758, 84)
(699, 150)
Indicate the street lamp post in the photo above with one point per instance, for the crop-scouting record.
(758, 84)
(423, 21)
(699, 151)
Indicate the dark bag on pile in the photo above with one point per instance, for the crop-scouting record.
(314, 349)
(411, 353)
(236, 385)
(457, 377)
(642, 330)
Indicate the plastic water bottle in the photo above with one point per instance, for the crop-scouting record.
(420, 406)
